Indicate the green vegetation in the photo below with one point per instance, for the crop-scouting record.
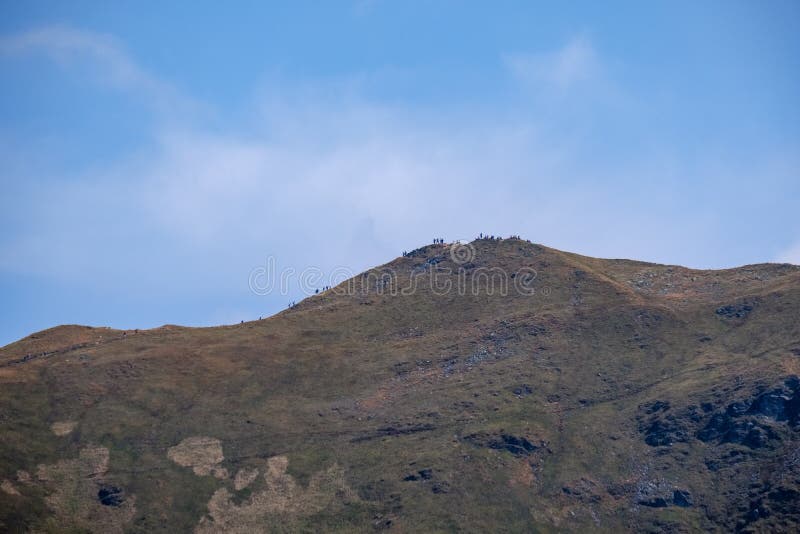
(605, 401)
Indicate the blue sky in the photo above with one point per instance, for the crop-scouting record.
(152, 156)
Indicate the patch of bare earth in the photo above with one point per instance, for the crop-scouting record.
(522, 474)
(63, 428)
(203, 454)
(8, 488)
(244, 478)
(281, 496)
(390, 389)
(77, 485)
(10, 375)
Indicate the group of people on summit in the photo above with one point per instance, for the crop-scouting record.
(436, 241)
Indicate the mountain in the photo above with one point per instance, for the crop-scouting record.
(494, 386)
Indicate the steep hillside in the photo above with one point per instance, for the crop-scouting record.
(499, 386)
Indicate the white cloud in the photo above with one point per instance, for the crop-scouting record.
(326, 178)
(103, 56)
(352, 187)
(576, 62)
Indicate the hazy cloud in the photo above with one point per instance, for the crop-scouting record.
(102, 55)
(574, 63)
(790, 255)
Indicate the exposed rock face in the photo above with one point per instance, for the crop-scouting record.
(736, 311)
(750, 421)
(765, 423)
(110, 496)
(664, 431)
(682, 498)
(661, 493)
(662, 427)
(516, 445)
(780, 404)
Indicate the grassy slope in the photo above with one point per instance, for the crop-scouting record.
(388, 385)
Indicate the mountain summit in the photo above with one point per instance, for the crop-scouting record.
(491, 386)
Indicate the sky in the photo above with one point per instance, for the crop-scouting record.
(154, 156)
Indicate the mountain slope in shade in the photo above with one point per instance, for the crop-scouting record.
(421, 396)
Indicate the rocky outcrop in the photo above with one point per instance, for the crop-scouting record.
(751, 422)
(754, 422)
(516, 445)
(737, 310)
(661, 427)
(660, 494)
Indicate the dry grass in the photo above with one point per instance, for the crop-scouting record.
(202, 454)
(324, 411)
(74, 486)
(244, 478)
(282, 499)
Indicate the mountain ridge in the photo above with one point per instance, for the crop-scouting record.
(761, 267)
(595, 393)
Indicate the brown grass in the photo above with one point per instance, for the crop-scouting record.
(326, 409)
(74, 485)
